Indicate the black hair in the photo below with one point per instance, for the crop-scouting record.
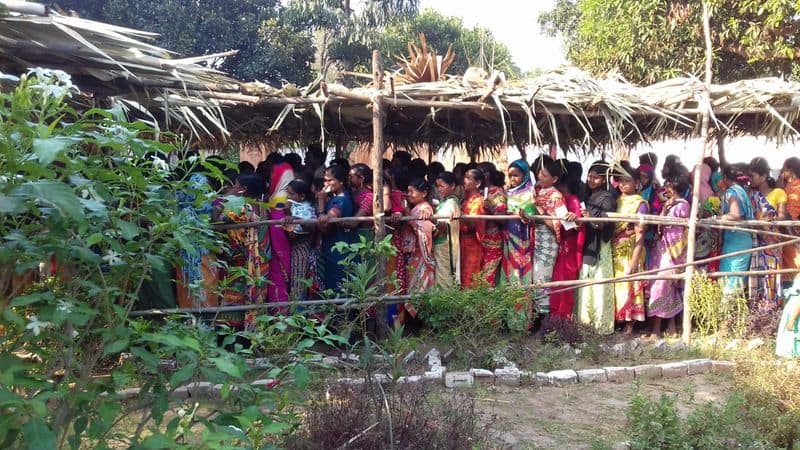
(625, 170)
(649, 158)
(772, 183)
(401, 177)
(478, 175)
(294, 160)
(418, 168)
(493, 176)
(575, 169)
(680, 184)
(459, 170)
(302, 188)
(434, 169)
(447, 178)
(341, 162)
(602, 167)
(338, 172)
(736, 172)
(759, 165)
(401, 157)
(555, 169)
(253, 184)
(421, 185)
(363, 171)
(711, 162)
(540, 161)
(793, 164)
(245, 167)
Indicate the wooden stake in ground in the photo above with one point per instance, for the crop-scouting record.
(378, 119)
(690, 247)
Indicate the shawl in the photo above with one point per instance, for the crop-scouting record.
(282, 175)
(628, 204)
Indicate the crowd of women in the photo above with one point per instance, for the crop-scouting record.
(442, 246)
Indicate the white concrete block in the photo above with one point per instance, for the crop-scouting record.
(674, 370)
(592, 376)
(458, 379)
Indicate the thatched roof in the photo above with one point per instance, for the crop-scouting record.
(566, 107)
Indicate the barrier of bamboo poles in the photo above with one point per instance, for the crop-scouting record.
(566, 285)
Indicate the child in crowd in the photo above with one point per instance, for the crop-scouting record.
(299, 197)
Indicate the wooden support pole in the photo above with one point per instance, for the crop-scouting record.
(691, 238)
(378, 146)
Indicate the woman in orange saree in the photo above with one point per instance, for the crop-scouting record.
(472, 231)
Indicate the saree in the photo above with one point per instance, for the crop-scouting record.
(595, 304)
(492, 243)
(333, 271)
(417, 245)
(764, 287)
(196, 278)
(517, 248)
(666, 296)
(734, 241)
(446, 246)
(249, 254)
(302, 265)
(363, 201)
(628, 295)
(545, 250)
(568, 262)
(471, 234)
(790, 252)
(280, 266)
(396, 264)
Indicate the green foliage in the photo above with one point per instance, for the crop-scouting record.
(736, 423)
(654, 424)
(270, 48)
(649, 40)
(714, 313)
(469, 317)
(88, 197)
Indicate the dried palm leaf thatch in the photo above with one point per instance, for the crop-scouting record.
(422, 64)
(425, 108)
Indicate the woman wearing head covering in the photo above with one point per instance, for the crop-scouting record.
(594, 305)
(517, 248)
(735, 207)
(628, 248)
(280, 264)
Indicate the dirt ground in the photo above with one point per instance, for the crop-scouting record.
(581, 416)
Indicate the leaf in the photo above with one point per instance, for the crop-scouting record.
(227, 366)
(148, 358)
(127, 229)
(10, 205)
(53, 193)
(37, 435)
(47, 150)
(25, 300)
(116, 347)
(183, 375)
(156, 262)
(301, 376)
(275, 427)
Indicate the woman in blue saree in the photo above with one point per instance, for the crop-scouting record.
(736, 206)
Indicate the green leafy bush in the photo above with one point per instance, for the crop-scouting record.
(88, 210)
(714, 313)
(654, 424)
(468, 317)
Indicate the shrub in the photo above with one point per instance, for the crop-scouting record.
(367, 416)
(711, 312)
(654, 424)
(471, 316)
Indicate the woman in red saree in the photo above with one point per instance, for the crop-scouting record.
(494, 203)
(472, 231)
(570, 248)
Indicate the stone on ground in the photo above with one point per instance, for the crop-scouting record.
(674, 370)
(458, 379)
(592, 376)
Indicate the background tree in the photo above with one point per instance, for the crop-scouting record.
(649, 40)
(270, 49)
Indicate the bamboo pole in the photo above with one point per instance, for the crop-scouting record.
(346, 303)
(704, 135)
(378, 146)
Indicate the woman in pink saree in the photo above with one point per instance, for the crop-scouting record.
(280, 265)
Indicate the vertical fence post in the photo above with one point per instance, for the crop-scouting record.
(378, 146)
(704, 135)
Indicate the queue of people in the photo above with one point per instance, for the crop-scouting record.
(444, 247)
